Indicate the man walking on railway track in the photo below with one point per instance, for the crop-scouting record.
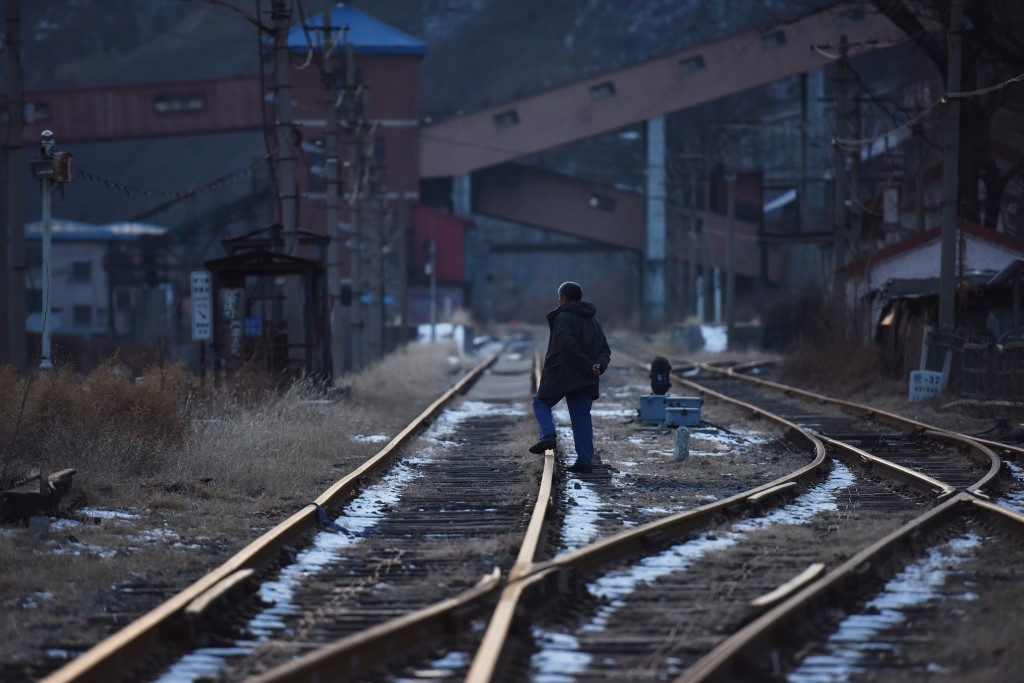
(577, 355)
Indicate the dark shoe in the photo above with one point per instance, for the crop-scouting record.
(577, 468)
(546, 443)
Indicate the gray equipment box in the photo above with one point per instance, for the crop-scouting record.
(671, 410)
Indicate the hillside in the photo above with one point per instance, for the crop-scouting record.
(480, 52)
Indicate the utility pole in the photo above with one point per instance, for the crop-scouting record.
(709, 280)
(285, 160)
(356, 246)
(951, 176)
(374, 242)
(693, 257)
(857, 213)
(336, 336)
(432, 271)
(839, 210)
(728, 150)
(654, 252)
(12, 228)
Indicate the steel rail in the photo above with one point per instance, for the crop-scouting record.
(980, 449)
(109, 658)
(731, 659)
(917, 480)
(639, 538)
(549, 576)
(850, 406)
(1017, 451)
(355, 653)
(493, 645)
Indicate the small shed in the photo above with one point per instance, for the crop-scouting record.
(251, 306)
(981, 253)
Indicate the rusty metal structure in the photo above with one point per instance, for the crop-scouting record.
(260, 255)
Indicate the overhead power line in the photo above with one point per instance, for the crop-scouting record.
(850, 144)
(187, 192)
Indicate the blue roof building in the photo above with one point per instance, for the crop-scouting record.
(368, 35)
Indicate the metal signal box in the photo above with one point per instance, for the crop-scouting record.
(670, 410)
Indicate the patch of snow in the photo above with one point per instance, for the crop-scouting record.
(370, 438)
(614, 586)
(716, 338)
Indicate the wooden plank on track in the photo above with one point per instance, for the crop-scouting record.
(806, 576)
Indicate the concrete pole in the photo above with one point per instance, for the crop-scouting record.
(709, 279)
(654, 289)
(804, 167)
(951, 176)
(730, 262)
(462, 194)
(374, 252)
(839, 208)
(356, 340)
(855, 204)
(285, 164)
(432, 264)
(919, 196)
(336, 333)
(693, 245)
(12, 218)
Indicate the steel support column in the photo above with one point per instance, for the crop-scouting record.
(654, 262)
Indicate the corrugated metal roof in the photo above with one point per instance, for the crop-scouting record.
(368, 35)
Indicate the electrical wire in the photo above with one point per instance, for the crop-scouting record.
(148, 192)
(852, 144)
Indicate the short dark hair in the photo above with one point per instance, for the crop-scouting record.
(571, 291)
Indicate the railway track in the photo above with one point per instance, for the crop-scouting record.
(430, 504)
(438, 569)
(870, 614)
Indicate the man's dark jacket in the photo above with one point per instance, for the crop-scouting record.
(576, 343)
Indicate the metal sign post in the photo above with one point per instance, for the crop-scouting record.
(202, 313)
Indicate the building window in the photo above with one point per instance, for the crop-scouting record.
(123, 300)
(380, 152)
(33, 300)
(770, 41)
(81, 270)
(179, 102)
(506, 119)
(82, 316)
(691, 64)
(602, 202)
(602, 91)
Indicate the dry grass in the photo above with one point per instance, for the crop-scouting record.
(246, 439)
(205, 470)
(830, 357)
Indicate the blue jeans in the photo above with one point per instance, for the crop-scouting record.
(579, 404)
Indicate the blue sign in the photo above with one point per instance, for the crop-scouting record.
(253, 326)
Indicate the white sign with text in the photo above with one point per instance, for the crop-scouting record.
(202, 306)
